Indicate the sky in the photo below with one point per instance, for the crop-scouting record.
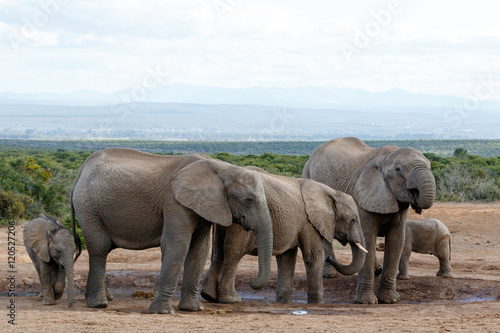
(445, 47)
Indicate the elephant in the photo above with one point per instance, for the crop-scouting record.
(303, 212)
(384, 182)
(52, 248)
(428, 236)
(125, 198)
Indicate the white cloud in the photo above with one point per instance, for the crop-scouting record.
(107, 45)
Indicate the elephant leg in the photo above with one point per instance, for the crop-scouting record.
(175, 244)
(328, 270)
(394, 242)
(34, 259)
(211, 280)
(235, 247)
(60, 283)
(46, 276)
(193, 269)
(109, 294)
(313, 261)
(366, 275)
(286, 268)
(403, 264)
(98, 246)
(444, 268)
(95, 290)
(443, 254)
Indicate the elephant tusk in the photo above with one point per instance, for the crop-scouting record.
(361, 247)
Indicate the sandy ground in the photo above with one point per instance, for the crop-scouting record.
(470, 302)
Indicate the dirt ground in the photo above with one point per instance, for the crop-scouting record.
(468, 303)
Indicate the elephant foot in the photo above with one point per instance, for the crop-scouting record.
(93, 301)
(209, 288)
(58, 290)
(330, 272)
(448, 275)
(229, 298)
(58, 295)
(314, 299)
(388, 296)
(403, 276)
(283, 297)
(190, 304)
(160, 307)
(209, 294)
(47, 301)
(367, 297)
(282, 300)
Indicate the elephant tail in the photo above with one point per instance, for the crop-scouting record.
(449, 243)
(213, 241)
(78, 242)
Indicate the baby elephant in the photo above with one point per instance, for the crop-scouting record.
(51, 247)
(429, 236)
(303, 213)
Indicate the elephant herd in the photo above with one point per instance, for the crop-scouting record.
(124, 198)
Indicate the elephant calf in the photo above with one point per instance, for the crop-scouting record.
(429, 236)
(303, 213)
(51, 247)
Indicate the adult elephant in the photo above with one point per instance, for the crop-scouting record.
(303, 212)
(384, 182)
(134, 200)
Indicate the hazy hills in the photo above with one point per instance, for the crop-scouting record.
(207, 113)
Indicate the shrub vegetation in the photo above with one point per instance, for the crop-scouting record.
(38, 180)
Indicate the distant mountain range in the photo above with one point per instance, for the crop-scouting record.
(257, 113)
(296, 97)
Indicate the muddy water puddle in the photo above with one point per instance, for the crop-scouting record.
(316, 312)
(418, 290)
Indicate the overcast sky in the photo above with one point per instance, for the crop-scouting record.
(426, 46)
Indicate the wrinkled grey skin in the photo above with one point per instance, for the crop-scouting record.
(428, 236)
(384, 182)
(129, 199)
(51, 247)
(303, 213)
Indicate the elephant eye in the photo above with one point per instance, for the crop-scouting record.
(249, 201)
(398, 169)
(352, 221)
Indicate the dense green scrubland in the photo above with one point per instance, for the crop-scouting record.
(36, 180)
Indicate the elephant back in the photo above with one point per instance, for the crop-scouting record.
(339, 163)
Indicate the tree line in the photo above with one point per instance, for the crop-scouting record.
(444, 148)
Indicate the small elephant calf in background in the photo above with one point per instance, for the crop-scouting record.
(429, 236)
(51, 247)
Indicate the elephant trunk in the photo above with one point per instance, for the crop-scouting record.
(358, 259)
(264, 239)
(426, 189)
(68, 268)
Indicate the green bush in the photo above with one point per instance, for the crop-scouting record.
(465, 182)
(13, 205)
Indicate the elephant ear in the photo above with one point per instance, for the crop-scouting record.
(321, 207)
(199, 187)
(371, 191)
(37, 235)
